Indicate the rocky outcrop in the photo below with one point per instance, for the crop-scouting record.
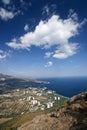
(72, 116)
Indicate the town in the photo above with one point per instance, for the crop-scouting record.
(21, 101)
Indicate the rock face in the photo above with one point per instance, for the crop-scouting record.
(72, 116)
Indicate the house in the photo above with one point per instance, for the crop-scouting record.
(58, 98)
(38, 103)
(55, 98)
(29, 98)
(49, 104)
(39, 94)
(42, 107)
(34, 102)
(49, 92)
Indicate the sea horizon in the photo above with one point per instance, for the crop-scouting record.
(67, 86)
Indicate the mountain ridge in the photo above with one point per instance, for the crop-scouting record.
(8, 83)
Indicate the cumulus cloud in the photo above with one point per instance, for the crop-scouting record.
(49, 64)
(4, 54)
(26, 27)
(66, 50)
(5, 14)
(55, 32)
(6, 1)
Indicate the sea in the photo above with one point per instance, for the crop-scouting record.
(67, 86)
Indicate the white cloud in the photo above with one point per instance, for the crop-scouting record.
(48, 54)
(49, 64)
(6, 1)
(49, 10)
(53, 32)
(26, 27)
(46, 10)
(2, 57)
(1, 51)
(4, 54)
(66, 50)
(5, 15)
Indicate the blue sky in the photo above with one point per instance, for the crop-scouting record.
(43, 38)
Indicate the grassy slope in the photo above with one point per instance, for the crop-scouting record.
(21, 119)
(18, 121)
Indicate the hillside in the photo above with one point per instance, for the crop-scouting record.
(9, 83)
(72, 116)
(15, 105)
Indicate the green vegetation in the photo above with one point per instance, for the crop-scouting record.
(18, 120)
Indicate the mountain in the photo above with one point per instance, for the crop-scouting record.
(4, 77)
(8, 83)
(72, 116)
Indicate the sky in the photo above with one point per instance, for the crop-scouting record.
(43, 38)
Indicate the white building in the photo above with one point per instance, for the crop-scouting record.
(49, 92)
(49, 104)
(17, 90)
(33, 98)
(55, 98)
(29, 98)
(34, 102)
(58, 98)
(39, 94)
(38, 103)
(42, 107)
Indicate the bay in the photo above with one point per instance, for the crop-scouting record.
(67, 86)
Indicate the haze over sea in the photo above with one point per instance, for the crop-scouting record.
(67, 86)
